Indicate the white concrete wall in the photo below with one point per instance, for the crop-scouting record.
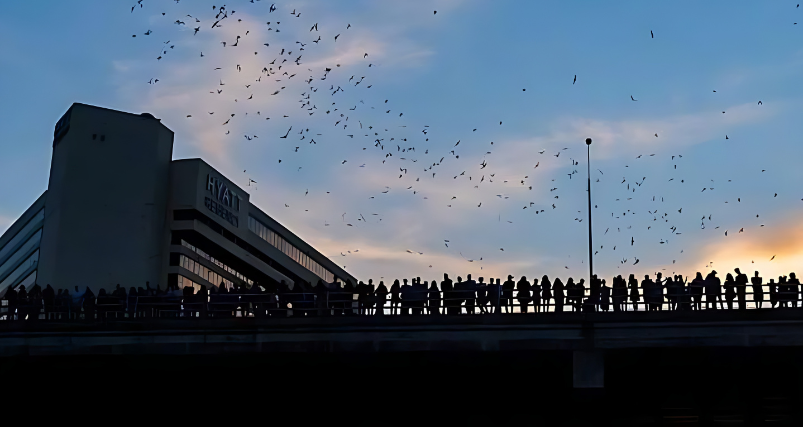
(107, 201)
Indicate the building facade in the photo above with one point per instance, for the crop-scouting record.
(119, 210)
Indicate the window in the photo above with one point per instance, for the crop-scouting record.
(207, 274)
(24, 250)
(183, 281)
(291, 251)
(217, 262)
(36, 221)
(29, 263)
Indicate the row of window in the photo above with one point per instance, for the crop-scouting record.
(207, 274)
(217, 262)
(283, 245)
(36, 221)
(183, 281)
(23, 251)
(26, 265)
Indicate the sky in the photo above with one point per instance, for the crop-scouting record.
(669, 92)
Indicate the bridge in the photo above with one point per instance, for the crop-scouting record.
(585, 338)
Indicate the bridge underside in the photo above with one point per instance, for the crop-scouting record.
(633, 368)
(586, 333)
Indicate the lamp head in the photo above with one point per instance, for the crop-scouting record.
(588, 141)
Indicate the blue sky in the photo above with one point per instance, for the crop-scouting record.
(470, 66)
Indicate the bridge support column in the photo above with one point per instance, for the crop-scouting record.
(588, 369)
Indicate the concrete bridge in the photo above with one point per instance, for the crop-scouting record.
(586, 338)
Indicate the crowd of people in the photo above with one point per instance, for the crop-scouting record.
(449, 297)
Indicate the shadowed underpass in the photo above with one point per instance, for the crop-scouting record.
(661, 369)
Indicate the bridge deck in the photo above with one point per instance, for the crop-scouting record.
(479, 333)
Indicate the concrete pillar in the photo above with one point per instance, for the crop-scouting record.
(588, 370)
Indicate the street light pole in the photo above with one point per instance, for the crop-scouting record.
(590, 240)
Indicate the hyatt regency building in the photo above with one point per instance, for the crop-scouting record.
(119, 210)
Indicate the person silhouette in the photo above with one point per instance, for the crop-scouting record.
(507, 293)
(571, 294)
(58, 304)
(794, 288)
(741, 289)
(580, 294)
(635, 295)
(675, 288)
(783, 292)
(494, 296)
(696, 291)
(546, 293)
(683, 289)
(558, 292)
(482, 295)
(89, 305)
(406, 297)
(523, 294)
(380, 296)
(321, 299)
(649, 294)
(419, 294)
(605, 296)
(713, 290)
(395, 297)
(594, 286)
(423, 295)
(11, 308)
(773, 288)
(684, 299)
(49, 298)
(535, 289)
(730, 290)
(619, 293)
(337, 298)
(758, 290)
(408, 291)
(24, 303)
(470, 294)
(370, 298)
(658, 291)
(459, 295)
(362, 294)
(434, 298)
(447, 292)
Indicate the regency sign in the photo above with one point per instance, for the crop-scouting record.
(223, 200)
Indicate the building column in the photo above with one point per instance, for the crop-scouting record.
(588, 369)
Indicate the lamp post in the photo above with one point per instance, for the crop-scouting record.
(590, 240)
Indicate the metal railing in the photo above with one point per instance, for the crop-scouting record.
(455, 302)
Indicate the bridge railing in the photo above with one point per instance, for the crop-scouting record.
(412, 302)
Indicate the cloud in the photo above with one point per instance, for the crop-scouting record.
(620, 138)
(186, 79)
(390, 32)
(754, 250)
